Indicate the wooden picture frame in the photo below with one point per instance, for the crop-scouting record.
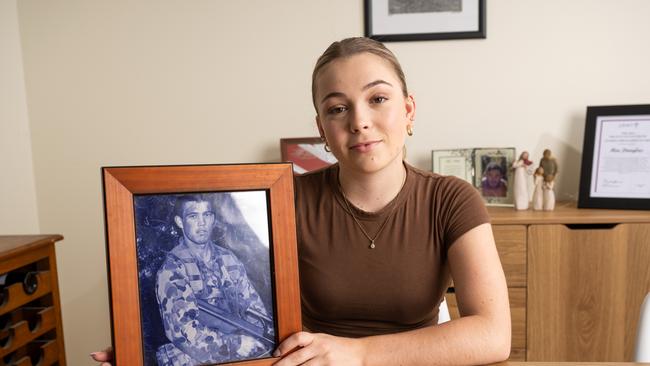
(397, 21)
(125, 186)
(615, 170)
(306, 153)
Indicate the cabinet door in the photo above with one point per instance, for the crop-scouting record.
(511, 244)
(585, 288)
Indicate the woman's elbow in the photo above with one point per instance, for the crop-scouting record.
(502, 351)
(502, 342)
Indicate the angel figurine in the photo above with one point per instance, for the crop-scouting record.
(522, 167)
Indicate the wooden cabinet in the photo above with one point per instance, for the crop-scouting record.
(30, 312)
(576, 279)
(511, 245)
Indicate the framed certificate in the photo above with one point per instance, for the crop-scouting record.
(456, 162)
(616, 158)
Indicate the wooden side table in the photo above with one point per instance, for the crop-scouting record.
(31, 330)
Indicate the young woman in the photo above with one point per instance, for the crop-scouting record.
(379, 239)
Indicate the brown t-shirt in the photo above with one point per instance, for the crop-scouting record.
(348, 289)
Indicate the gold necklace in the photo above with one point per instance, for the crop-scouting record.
(365, 233)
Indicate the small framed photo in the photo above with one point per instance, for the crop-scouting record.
(456, 162)
(616, 158)
(494, 178)
(202, 263)
(306, 153)
(407, 20)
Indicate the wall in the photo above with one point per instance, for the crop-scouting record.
(18, 211)
(172, 82)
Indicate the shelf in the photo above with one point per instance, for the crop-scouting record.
(21, 335)
(15, 296)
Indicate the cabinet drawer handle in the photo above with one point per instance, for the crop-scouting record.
(590, 226)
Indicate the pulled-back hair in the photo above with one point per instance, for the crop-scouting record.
(354, 46)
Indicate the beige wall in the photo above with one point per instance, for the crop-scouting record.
(175, 82)
(18, 213)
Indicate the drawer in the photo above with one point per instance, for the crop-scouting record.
(511, 245)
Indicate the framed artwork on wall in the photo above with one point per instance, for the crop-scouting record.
(616, 158)
(202, 263)
(405, 20)
(306, 153)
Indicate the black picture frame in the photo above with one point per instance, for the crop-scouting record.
(592, 166)
(427, 27)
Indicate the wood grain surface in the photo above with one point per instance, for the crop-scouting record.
(511, 245)
(584, 291)
(37, 252)
(565, 213)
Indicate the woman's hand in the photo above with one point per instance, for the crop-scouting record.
(103, 356)
(319, 349)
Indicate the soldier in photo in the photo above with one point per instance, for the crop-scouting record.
(209, 308)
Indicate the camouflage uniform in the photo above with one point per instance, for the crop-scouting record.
(222, 281)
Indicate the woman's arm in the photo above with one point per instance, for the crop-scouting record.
(480, 336)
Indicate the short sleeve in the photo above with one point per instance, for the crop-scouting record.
(464, 209)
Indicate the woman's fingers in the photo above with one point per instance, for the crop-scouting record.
(299, 357)
(296, 340)
(101, 356)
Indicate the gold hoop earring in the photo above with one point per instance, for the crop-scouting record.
(409, 130)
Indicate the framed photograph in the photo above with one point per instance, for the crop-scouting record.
(306, 153)
(456, 162)
(407, 20)
(616, 158)
(494, 178)
(202, 263)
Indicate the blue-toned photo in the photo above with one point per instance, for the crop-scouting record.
(206, 293)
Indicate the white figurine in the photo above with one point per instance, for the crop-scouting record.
(538, 194)
(549, 195)
(522, 167)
